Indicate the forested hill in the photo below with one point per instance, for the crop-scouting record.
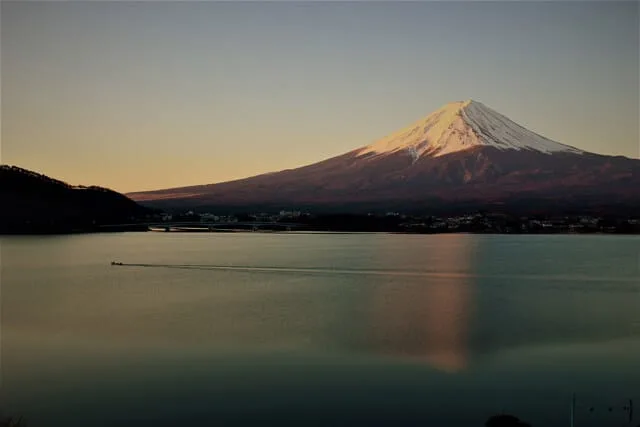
(34, 203)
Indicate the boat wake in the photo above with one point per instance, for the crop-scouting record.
(370, 272)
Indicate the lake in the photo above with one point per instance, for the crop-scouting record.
(293, 329)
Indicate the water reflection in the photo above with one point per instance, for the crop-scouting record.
(325, 335)
(428, 319)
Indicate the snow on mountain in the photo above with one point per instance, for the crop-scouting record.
(459, 126)
(464, 153)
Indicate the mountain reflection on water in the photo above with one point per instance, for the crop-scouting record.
(367, 329)
(428, 320)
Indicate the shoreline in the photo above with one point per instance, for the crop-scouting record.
(244, 231)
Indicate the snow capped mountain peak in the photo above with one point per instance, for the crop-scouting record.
(459, 126)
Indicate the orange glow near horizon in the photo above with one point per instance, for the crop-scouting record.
(142, 96)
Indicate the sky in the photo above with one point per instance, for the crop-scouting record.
(148, 95)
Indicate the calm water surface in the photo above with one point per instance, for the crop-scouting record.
(319, 329)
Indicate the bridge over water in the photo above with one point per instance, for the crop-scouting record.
(207, 226)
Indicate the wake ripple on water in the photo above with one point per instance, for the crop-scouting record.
(406, 273)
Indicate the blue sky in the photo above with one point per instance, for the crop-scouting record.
(142, 95)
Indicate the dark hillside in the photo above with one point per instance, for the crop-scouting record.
(34, 203)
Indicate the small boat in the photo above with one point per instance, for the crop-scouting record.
(115, 263)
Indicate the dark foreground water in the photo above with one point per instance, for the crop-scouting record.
(319, 329)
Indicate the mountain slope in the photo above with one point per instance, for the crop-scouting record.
(32, 202)
(463, 153)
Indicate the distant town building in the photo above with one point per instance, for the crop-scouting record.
(290, 214)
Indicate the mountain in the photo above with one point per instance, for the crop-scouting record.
(459, 126)
(31, 203)
(462, 156)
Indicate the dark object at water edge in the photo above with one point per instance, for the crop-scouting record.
(505, 420)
